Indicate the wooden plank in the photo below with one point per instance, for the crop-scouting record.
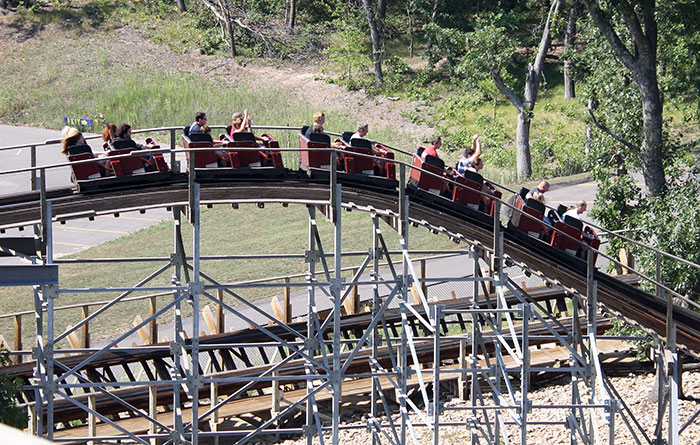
(73, 339)
(277, 309)
(143, 333)
(357, 387)
(209, 320)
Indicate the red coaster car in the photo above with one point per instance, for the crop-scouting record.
(432, 183)
(309, 159)
(532, 226)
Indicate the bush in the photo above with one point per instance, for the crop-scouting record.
(10, 413)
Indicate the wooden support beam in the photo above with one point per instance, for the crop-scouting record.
(287, 302)
(85, 312)
(153, 325)
(209, 320)
(352, 303)
(18, 339)
(143, 333)
(73, 339)
(152, 411)
(214, 398)
(277, 309)
(424, 286)
(276, 395)
(462, 378)
(416, 295)
(626, 259)
(220, 320)
(92, 419)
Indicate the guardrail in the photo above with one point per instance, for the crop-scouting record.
(38, 182)
(150, 336)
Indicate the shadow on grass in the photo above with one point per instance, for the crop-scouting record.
(92, 14)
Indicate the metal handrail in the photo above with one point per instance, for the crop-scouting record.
(254, 281)
(394, 161)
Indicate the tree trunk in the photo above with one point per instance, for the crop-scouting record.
(375, 28)
(292, 13)
(229, 28)
(569, 38)
(410, 30)
(181, 5)
(642, 64)
(522, 132)
(651, 153)
(3, 4)
(433, 15)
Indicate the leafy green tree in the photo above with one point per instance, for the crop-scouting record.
(490, 49)
(569, 48)
(667, 218)
(376, 14)
(10, 413)
(449, 43)
(637, 52)
(348, 48)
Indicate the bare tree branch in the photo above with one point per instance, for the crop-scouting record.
(611, 133)
(611, 36)
(510, 94)
(633, 25)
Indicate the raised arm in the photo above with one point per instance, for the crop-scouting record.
(476, 145)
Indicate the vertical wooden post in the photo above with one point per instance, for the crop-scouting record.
(214, 418)
(462, 378)
(287, 302)
(152, 411)
(220, 322)
(276, 395)
(352, 304)
(355, 295)
(31, 419)
(92, 419)
(85, 309)
(18, 338)
(153, 325)
(423, 286)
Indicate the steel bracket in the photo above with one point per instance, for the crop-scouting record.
(311, 344)
(312, 256)
(309, 430)
(49, 291)
(195, 382)
(195, 288)
(377, 253)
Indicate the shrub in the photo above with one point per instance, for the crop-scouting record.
(10, 413)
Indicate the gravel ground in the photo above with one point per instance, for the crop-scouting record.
(634, 390)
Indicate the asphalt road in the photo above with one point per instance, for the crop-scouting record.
(75, 235)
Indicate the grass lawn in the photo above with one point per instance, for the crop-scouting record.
(274, 229)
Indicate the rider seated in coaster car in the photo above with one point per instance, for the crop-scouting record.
(241, 123)
(122, 141)
(76, 148)
(205, 136)
(471, 160)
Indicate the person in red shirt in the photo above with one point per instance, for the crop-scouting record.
(432, 149)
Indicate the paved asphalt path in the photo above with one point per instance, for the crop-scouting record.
(75, 235)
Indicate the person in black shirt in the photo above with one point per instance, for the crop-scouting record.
(200, 119)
